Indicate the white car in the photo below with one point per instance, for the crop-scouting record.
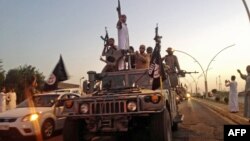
(35, 120)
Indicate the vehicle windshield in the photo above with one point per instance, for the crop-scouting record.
(40, 101)
(129, 79)
(135, 78)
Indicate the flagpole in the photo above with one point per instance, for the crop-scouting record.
(161, 85)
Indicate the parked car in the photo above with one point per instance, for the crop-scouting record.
(34, 116)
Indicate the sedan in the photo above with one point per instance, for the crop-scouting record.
(35, 116)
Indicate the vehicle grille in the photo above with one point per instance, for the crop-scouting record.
(8, 119)
(108, 107)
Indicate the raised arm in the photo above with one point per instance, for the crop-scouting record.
(119, 23)
(242, 75)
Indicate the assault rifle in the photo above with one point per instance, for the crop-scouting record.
(105, 39)
(119, 9)
(157, 38)
(182, 73)
(119, 24)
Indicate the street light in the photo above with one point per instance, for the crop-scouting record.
(189, 85)
(196, 83)
(205, 71)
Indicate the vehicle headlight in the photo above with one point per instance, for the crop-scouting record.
(188, 95)
(84, 108)
(155, 98)
(131, 106)
(31, 117)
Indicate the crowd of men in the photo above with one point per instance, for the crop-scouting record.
(123, 56)
(136, 59)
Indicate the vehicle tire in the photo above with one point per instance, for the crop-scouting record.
(48, 128)
(175, 126)
(74, 130)
(160, 129)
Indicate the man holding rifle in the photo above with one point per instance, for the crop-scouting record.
(123, 38)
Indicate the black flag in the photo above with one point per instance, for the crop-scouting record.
(156, 69)
(59, 74)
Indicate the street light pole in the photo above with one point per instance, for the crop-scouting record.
(245, 4)
(189, 86)
(196, 83)
(206, 86)
(205, 71)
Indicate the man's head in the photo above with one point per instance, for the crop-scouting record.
(233, 77)
(248, 69)
(142, 48)
(131, 49)
(169, 51)
(111, 41)
(123, 18)
(149, 50)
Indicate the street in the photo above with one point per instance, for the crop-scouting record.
(200, 123)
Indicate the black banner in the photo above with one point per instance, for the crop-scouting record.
(59, 74)
(156, 69)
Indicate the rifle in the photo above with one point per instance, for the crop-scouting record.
(119, 9)
(183, 72)
(119, 24)
(157, 38)
(105, 39)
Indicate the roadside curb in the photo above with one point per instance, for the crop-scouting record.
(234, 117)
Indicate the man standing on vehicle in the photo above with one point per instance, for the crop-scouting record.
(173, 67)
(109, 49)
(141, 60)
(123, 39)
(171, 61)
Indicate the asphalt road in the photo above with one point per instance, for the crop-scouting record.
(200, 124)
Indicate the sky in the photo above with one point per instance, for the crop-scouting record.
(37, 32)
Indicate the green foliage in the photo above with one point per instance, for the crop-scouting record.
(2, 76)
(18, 79)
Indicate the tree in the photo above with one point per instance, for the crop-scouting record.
(2, 76)
(18, 79)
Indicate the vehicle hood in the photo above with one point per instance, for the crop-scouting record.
(20, 112)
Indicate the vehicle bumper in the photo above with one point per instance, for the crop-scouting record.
(15, 129)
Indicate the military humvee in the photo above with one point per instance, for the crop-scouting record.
(121, 104)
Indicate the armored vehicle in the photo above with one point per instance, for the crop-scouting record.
(121, 104)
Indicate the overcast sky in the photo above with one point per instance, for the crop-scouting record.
(36, 32)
